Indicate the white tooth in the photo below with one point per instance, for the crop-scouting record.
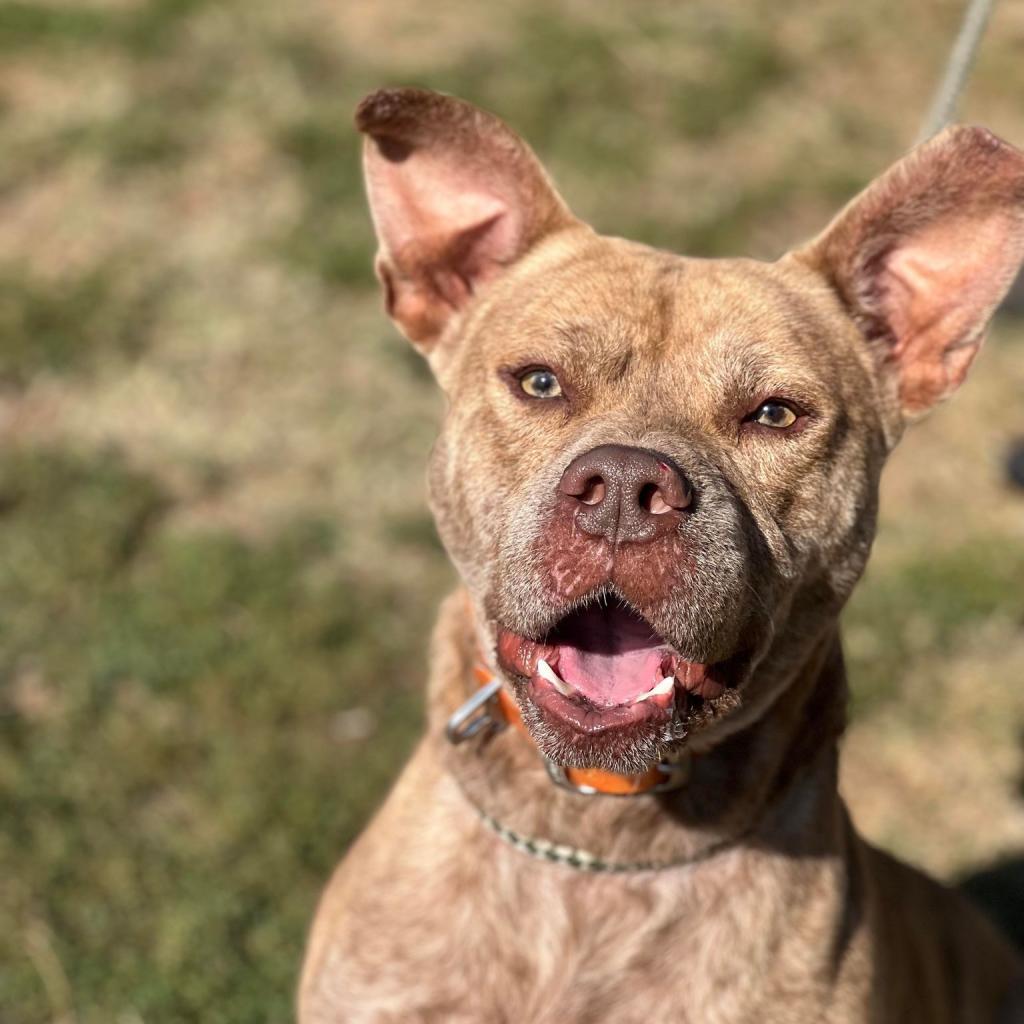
(665, 686)
(545, 671)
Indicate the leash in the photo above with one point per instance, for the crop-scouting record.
(958, 67)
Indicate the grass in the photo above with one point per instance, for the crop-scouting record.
(71, 324)
(141, 29)
(178, 713)
(331, 237)
(24, 25)
(218, 573)
(929, 605)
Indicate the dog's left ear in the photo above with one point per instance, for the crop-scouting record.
(924, 255)
(456, 197)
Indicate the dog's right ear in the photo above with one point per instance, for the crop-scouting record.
(922, 257)
(455, 197)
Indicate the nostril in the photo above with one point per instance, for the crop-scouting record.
(593, 492)
(624, 494)
(652, 500)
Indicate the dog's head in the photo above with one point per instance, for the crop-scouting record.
(657, 475)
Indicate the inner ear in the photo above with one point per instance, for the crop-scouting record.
(435, 272)
(455, 196)
(940, 294)
(924, 255)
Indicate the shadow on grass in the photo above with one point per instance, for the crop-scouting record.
(999, 891)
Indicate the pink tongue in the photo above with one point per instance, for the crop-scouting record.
(610, 678)
(608, 654)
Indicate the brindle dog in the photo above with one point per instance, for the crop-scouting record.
(658, 479)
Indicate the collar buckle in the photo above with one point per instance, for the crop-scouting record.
(474, 715)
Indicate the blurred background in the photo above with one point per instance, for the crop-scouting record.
(217, 570)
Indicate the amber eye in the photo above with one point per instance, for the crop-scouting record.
(540, 383)
(773, 414)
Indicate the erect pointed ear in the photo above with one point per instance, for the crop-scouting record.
(924, 255)
(455, 197)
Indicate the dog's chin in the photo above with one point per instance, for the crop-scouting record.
(604, 690)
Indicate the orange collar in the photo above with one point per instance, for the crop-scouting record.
(587, 781)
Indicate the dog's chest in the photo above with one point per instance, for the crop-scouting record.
(515, 939)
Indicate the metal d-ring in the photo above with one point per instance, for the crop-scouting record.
(473, 716)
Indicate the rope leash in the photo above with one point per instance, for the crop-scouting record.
(958, 67)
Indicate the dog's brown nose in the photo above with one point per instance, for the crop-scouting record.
(626, 495)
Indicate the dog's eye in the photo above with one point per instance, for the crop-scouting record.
(773, 414)
(540, 384)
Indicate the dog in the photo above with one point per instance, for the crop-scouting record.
(658, 480)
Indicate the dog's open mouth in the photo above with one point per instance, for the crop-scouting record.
(603, 669)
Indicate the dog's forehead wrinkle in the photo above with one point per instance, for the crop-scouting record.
(753, 367)
(657, 333)
(700, 321)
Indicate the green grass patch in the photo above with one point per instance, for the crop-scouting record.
(928, 605)
(168, 120)
(192, 728)
(173, 85)
(24, 25)
(159, 131)
(563, 86)
(142, 30)
(71, 324)
(333, 237)
(727, 231)
(747, 65)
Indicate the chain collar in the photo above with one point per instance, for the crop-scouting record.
(582, 860)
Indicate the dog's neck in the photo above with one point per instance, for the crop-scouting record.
(773, 784)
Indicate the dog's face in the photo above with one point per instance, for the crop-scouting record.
(658, 475)
(646, 462)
